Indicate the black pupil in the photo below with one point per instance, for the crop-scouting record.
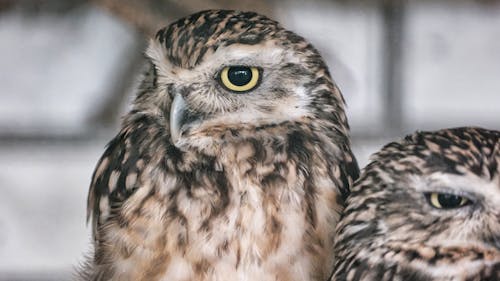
(239, 75)
(449, 200)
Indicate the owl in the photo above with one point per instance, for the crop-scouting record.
(232, 164)
(425, 208)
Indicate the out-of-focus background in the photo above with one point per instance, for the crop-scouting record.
(68, 69)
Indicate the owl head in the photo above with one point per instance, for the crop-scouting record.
(219, 74)
(426, 207)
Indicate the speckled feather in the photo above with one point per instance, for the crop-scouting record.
(389, 231)
(253, 191)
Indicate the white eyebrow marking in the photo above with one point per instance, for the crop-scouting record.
(459, 184)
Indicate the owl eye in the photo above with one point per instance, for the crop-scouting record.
(239, 79)
(446, 200)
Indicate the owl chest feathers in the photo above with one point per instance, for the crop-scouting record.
(256, 211)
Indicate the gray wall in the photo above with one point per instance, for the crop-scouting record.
(426, 65)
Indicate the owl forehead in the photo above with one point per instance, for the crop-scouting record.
(189, 41)
(455, 151)
(463, 159)
(266, 56)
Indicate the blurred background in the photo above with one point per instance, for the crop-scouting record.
(68, 69)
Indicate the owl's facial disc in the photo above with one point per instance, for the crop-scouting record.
(238, 87)
(237, 79)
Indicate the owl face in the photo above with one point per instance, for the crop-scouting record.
(429, 204)
(448, 210)
(444, 190)
(237, 85)
(242, 71)
(440, 209)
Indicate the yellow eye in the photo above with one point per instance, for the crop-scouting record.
(240, 79)
(446, 200)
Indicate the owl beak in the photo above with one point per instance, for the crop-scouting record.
(177, 112)
(181, 118)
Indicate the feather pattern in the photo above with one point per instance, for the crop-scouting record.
(390, 229)
(252, 190)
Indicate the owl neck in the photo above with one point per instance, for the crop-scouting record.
(269, 153)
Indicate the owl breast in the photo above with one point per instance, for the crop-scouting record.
(265, 218)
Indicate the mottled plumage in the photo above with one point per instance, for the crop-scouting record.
(202, 183)
(425, 208)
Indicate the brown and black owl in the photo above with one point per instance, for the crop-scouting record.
(426, 208)
(233, 163)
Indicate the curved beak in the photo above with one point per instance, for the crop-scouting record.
(181, 118)
(177, 111)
